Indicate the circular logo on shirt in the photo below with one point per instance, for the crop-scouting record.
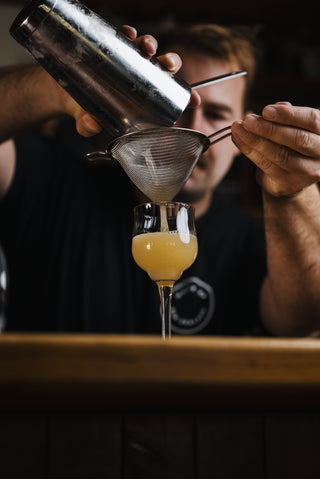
(193, 304)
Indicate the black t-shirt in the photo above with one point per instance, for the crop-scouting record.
(65, 227)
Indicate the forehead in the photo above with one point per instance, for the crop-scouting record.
(197, 67)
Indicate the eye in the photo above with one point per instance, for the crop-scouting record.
(213, 114)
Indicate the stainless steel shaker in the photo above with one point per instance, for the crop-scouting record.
(99, 66)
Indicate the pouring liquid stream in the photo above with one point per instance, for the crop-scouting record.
(164, 227)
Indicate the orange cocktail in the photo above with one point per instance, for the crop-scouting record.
(164, 255)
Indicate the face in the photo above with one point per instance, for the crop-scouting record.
(221, 104)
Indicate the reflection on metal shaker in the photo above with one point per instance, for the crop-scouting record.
(3, 289)
(99, 66)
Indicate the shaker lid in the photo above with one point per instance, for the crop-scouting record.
(30, 18)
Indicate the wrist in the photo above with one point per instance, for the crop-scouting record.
(52, 96)
(29, 97)
(285, 214)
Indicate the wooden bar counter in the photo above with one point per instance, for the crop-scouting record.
(100, 406)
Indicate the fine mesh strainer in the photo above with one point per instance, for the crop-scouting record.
(159, 160)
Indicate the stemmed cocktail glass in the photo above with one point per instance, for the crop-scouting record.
(164, 244)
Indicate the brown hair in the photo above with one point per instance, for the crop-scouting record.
(234, 44)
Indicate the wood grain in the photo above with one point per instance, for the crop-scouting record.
(230, 445)
(86, 445)
(159, 445)
(138, 371)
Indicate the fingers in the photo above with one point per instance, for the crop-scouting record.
(299, 139)
(273, 149)
(146, 43)
(171, 61)
(148, 46)
(195, 99)
(87, 126)
(129, 31)
(300, 117)
(282, 170)
(260, 150)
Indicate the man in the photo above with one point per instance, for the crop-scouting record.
(284, 144)
(66, 225)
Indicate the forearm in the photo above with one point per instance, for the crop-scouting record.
(290, 299)
(29, 96)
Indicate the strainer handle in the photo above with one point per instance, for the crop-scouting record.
(211, 81)
(95, 155)
(219, 133)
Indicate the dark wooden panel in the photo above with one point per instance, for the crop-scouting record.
(292, 445)
(230, 445)
(22, 446)
(159, 446)
(85, 446)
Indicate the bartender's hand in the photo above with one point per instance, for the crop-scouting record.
(284, 143)
(86, 124)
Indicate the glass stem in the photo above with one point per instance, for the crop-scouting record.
(165, 292)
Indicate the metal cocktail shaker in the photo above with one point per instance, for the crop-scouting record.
(99, 67)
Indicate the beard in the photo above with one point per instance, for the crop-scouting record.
(189, 196)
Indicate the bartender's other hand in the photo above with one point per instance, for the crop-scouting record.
(284, 143)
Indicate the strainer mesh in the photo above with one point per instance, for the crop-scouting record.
(158, 161)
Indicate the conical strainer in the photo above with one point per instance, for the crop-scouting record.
(159, 160)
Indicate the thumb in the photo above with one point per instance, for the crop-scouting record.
(87, 125)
